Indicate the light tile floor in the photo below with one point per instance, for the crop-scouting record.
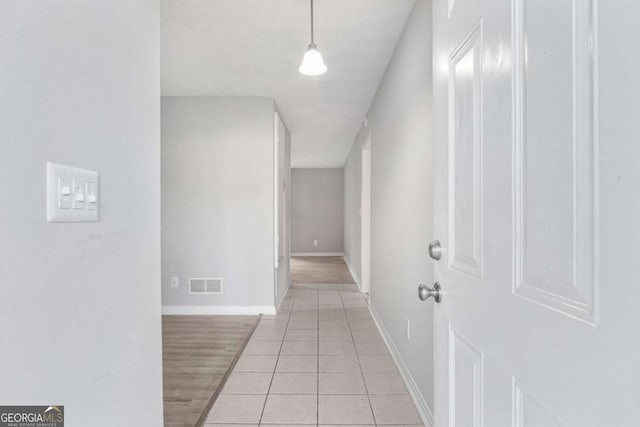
(319, 362)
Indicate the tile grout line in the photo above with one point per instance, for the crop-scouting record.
(202, 420)
(273, 374)
(358, 357)
(318, 359)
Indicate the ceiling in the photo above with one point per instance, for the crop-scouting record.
(254, 48)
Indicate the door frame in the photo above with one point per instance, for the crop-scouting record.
(365, 217)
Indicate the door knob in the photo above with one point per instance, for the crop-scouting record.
(425, 292)
(435, 250)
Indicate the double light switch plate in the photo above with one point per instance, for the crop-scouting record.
(72, 194)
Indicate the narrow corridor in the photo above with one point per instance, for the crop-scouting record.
(320, 361)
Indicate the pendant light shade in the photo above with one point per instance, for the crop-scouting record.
(312, 62)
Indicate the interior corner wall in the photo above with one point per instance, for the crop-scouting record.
(351, 207)
(80, 324)
(399, 122)
(218, 199)
(283, 273)
(317, 197)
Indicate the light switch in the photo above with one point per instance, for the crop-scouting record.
(64, 193)
(78, 194)
(72, 194)
(91, 193)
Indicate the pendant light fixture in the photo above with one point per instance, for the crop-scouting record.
(312, 63)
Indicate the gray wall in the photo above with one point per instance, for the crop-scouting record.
(80, 322)
(401, 227)
(317, 199)
(218, 198)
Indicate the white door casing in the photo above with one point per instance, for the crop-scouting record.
(277, 135)
(537, 171)
(365, 218)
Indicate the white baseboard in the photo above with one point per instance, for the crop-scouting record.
(353, 272)
(194, 310)
(414, 391)
(318, 254)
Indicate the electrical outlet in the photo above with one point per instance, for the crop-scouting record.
(175, 281)
(315, 243)
(407, 323)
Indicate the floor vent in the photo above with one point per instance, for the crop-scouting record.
(205, 285)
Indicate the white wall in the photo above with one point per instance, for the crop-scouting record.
(218, 199)
(317, 210)
(400, 126)
(80, 318)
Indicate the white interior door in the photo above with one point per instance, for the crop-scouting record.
(537, 203)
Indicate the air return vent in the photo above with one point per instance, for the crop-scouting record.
(205, 285)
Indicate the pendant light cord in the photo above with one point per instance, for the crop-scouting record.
(312, 41)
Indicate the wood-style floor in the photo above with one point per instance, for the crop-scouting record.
(317, 269)
(197, 354)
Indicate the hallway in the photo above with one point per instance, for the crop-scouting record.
(320, 269)
(319, 361)
(320, 213)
